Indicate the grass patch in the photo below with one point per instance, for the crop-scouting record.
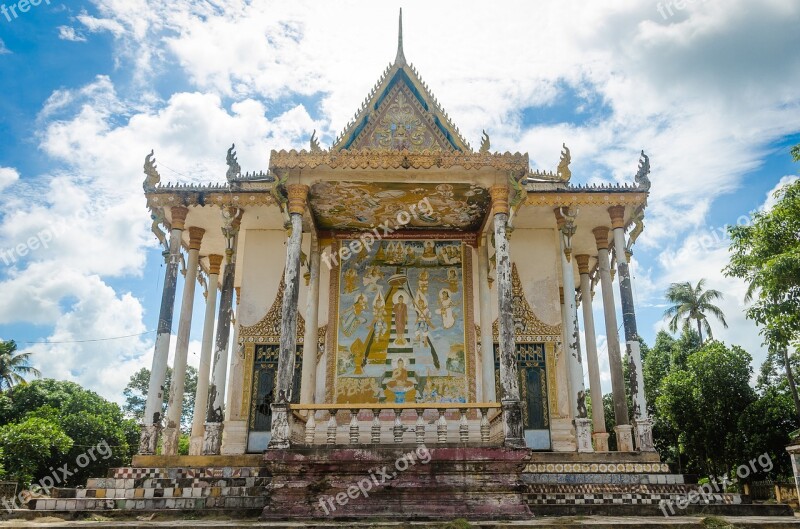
(459, 523)
(712, 522)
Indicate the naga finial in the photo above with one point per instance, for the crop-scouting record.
(642, 181)
(152, 177)
(485, 143)
(314, 142)
(234, 169)
(563, 166)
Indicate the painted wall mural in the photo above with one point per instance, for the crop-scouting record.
(401, 336)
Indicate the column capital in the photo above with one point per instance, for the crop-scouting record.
(214, 263)
(583, 263)
(499, 194)
(601, 237)
(617, 214)
(178, 219)
(298, 198)
(195, 237)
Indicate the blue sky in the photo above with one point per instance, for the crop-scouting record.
(89, 87)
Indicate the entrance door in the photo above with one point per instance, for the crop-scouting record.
(533, 393)
(262, 395)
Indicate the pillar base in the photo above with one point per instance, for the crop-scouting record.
(512, 424)
(583, 435)
(196, 445)
(234, 438)
(280, 427)
(148, 440)
(624, 438)
(600, 441)
(212, 438)
(169, 442)
(644, 435)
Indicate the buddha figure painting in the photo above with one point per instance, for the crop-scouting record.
(401, 310)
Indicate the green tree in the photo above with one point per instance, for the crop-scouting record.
(766, 255)
(692, 303)
(29, 445)
(703, 402)
(86, 418)
(14, 367)
(765, 426)
(135, 394)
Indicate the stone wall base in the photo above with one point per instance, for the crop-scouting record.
(412, 483)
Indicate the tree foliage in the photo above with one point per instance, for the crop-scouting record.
(29, 445)
(14, 366)
(693, 303)
(83, 416)
(135, 394)
(703, 401)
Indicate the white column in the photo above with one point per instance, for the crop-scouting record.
(281, 416)
(489, 393)
(509, 371)
(212, 437)
(623, 428)
(172, 431)
(577, 396)
(151, 422)
(204, 371)
(642, 423)
(600, 435)
(308, 379)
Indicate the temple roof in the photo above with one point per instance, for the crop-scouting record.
(401, 113)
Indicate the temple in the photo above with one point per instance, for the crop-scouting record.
(395, 292)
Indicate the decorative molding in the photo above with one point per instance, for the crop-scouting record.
(268, 329)
(600, 197)
(469, 321)
(527, 327)
(168, 197)
(405, 159)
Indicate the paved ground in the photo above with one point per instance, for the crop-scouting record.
(594, 522)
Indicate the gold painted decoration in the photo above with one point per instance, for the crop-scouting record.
(527, 327)
(268, 329)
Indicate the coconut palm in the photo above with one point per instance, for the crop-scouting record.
(693, 303)
(14, 366)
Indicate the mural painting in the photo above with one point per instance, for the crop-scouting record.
(400, 336)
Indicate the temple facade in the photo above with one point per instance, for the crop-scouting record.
(398, 288)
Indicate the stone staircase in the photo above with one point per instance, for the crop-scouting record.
(152, 489)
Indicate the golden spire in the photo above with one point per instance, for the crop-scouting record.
(401, 58)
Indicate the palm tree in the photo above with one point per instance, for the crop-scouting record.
(692, 303)
(14, 365)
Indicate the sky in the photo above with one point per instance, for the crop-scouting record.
(708, 89)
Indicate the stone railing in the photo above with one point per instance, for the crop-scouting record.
(429, 424)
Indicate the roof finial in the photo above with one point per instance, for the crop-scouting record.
(401, 58)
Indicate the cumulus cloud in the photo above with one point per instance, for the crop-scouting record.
(69, 33)
(8, 175)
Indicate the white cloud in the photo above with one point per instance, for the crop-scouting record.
(8, 176)
(771, 200)
(3, 49)
(69, 33)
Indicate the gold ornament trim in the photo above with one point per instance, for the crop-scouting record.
(527, 327)
(587, 198)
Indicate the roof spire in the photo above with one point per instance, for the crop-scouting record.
(401, 58)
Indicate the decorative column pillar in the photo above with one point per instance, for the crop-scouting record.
(172, 431)
(623, 427)
(509, 377)
(151, 422)
(489, 393)
(212, 437)
(642, 423)
(308, 379)
(577, 396)
(204, 371)
(298, 195)
(600, 435)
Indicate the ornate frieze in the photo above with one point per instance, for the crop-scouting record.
(527, 327)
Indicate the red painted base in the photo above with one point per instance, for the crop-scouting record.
(410, 483)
